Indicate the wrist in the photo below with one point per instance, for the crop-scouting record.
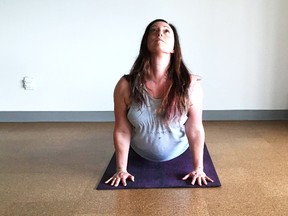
(199, 168)
(120, 169)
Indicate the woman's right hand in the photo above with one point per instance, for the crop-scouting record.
(120, 176)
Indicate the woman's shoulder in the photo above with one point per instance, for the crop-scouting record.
(122, 89)
(195, 79)
(195, 89)
(123, 83)
(127, 77)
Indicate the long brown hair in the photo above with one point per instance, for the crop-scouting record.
(175, 101)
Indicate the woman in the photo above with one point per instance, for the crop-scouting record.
(158, 107)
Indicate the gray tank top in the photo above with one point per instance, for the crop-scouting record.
(151, 137)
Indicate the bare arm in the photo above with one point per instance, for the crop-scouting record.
(194, 127)
(122, 128)
(195, 132)
(121, 133)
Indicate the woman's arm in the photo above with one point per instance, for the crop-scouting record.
(121, 133)
(195, 132)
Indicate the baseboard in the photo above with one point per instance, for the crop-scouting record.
(57, 116)
(229, 115)
(108, 116)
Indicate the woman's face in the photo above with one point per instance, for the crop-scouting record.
(160, 38)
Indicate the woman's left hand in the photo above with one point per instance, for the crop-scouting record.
(199, 176)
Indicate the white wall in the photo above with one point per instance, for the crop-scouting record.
(76, 50)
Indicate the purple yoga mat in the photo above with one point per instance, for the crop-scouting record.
(166, 174)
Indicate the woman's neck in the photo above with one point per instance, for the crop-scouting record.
(159, 67)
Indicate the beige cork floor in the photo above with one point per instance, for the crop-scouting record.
(53, 168)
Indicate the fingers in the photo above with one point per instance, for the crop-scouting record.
(106, 182)
(132, 178)
(124, 182)
(129, 177)
(186, 177)
(194, 180)
(209, 179)
(204, 181)
(192, 175)
(199, 178)
(115, 180)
